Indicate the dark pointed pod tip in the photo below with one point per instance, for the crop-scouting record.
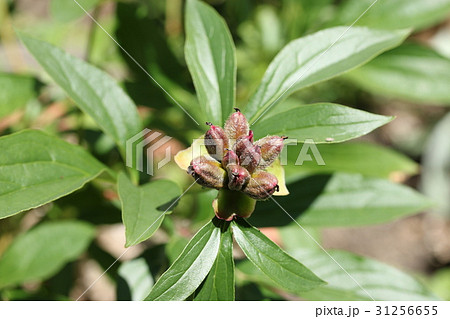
(191, 171)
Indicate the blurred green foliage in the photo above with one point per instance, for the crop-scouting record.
(148, 38)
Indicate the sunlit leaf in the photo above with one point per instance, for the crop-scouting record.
(394, 14)
(94, 91)
(144, 207)
(281, 268)
(315, 58)
(379, 281)
(323, 123)
(137, 279)
(219, 284)
(37, 168)
(369, 278)
(190, 268)
(211, 58)
(411, 72)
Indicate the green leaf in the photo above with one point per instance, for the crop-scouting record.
(67, 10)
(315, 58)
(36, 168)
(190, 268)
(397, 14)
(292, 238)
(320, 122)
(175, 247)
(439, 283)
(340, 200)
(136, 275)
(380, 281)
(43, 251)
(16, 91)
(94, 91)
(144, 207)
(211, 58)
(219, 284)
(411, 72)
(363, 158)
(284, 270)
(435, 181)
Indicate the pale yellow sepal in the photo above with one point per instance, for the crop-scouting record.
(278, 170)
(184, 157)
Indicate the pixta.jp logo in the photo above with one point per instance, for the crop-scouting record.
(141, 148)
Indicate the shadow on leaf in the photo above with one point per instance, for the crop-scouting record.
(302, 194)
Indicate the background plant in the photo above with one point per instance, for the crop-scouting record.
(355, 188)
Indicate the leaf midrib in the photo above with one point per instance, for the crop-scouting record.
(199, 241)
(249, 242)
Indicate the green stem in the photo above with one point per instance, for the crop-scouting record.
(92, 33)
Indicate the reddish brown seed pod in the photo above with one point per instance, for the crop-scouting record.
(208, 172)
(253, 157)
(242, 143)
(261, 185)
(271, 147)
(216, 141)
(236, 125)
(230, 157)
(249, 155)
(238, 177)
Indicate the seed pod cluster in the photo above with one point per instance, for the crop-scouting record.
(236, 166)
